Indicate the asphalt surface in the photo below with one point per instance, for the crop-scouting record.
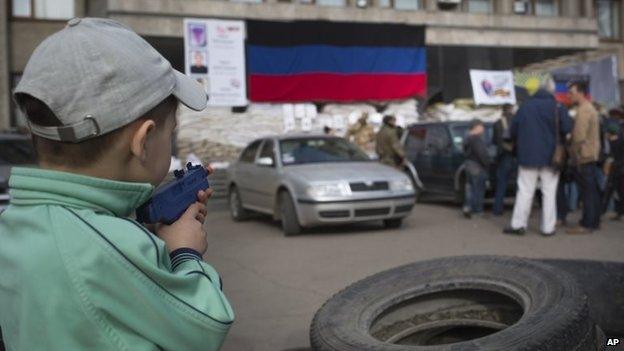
(277, 283)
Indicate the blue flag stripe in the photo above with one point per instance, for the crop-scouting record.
(335, 59)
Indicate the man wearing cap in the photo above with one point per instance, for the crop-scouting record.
(537, 128)
(77, 272)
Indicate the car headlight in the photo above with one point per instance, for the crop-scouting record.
(329, 190)
(402, 185)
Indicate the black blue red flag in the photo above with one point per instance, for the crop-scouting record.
(335, 61)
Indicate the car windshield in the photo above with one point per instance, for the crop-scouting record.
(315, 150)
(16, 152)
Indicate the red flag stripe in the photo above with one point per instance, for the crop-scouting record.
(336, 87)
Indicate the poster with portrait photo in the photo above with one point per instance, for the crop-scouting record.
(493, 87)
(198, 63)
(214, 51)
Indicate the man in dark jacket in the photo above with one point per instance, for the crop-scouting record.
(504, 158)
(534, 131)
(477, 164)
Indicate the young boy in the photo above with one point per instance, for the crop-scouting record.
(477, 165)
(75, 272)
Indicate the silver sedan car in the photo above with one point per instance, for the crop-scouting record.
(307, 181)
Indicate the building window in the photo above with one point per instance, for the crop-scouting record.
(479, 6)
(406, 4)
(401, 4)
(545, 8)
(536, 7)
(43, 9)
(608, 14)
(21, 8)
(336, 3)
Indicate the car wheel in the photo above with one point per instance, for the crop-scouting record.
(288, 215)
(458, 303)
(393, 223)
(237, 211)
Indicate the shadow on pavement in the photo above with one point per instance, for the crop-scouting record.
(342, 229)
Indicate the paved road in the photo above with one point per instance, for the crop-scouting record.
(276, 283)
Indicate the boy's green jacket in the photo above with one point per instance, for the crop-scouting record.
(76, 274)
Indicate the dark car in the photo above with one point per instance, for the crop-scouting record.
(15, 150)
(436, 151)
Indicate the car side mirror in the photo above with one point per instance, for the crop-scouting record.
(265, 161)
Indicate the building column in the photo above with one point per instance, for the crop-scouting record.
(431, 5)
(570, 8)
(5, 89)
(504, 7)
(588, 8)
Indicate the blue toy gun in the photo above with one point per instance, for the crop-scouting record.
(171, 200)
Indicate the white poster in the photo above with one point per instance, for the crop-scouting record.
(215, 55)
(300, 110)
(493, 87)
(288, 112)
(311, 111)
(306, 124)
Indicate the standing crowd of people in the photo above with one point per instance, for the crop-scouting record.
(554, 153)
(568, 162)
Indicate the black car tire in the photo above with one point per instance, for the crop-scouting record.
(393, 223)
(237, 211)
(288, 214)
(522, 304)
(603, 283)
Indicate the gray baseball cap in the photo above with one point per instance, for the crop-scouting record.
(98, 75)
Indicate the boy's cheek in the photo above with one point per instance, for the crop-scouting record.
(160, 160)
(164, 158)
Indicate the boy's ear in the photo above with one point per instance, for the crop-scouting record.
(139, 138)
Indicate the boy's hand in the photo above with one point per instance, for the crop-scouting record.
(187, 231)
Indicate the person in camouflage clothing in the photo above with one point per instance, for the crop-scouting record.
(362, 133)
(388, 146)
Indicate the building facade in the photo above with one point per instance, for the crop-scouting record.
(460, 34)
